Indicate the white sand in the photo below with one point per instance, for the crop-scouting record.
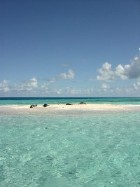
(66, 109)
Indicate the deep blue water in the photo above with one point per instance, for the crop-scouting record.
(63, 100)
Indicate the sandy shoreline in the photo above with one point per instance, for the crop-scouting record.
(66, 109)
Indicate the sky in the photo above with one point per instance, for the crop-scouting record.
(70, 48)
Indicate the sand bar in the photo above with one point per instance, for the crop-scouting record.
(66, 109)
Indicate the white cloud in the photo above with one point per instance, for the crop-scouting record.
(69, 75)
(4, 87)
(106, 73)
(59, 91)
(136, 85)
(120, 71)
(105, 87)
(87, 91)
(133, 70)
(52, 91)
(70, 91)
(75, 91)
(128, 71)
(33, 83)
(51, 81)
(28, 85)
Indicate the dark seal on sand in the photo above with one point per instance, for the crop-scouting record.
(82, 102)
(45, 105)
(32, 106)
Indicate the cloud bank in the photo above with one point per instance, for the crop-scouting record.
(69, 75)
(27, 85)
(34, 86)
(128, 71)
(106, 72)
(4, 86)
(107, 75)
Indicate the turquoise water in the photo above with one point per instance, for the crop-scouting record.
(63, 100)
(96, 150)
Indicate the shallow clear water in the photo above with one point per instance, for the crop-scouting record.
(100, 150)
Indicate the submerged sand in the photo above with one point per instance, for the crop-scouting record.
(67, 109)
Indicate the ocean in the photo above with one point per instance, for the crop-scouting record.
(63, 100)
(100, 149)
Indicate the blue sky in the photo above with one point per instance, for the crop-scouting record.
(69, 48)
